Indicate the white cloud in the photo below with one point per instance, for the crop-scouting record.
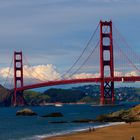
(33, 74)
(4, 72)
(42, 73)
(118, 73)
(132, 73)
(96, 75)
(85, 75)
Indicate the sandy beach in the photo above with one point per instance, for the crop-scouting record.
(118, 132)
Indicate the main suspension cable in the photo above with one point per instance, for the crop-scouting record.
(91, 38)
(28, 64)
(134, 66)
(85, 60)
(125, 43)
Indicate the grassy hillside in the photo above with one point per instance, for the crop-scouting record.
(35, 98)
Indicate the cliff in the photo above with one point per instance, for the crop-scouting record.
(130, 115)
(5, 96)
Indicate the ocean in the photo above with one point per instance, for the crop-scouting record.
(14, 127)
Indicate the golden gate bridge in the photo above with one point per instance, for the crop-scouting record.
(109, 52)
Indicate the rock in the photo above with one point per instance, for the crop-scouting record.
(83, 121)
(58, 122)
(55, 114)
(107, 118)
(25, 112)
(130, 115)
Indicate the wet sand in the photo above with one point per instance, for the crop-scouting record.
(118, 132)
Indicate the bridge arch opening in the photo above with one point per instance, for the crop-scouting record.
(107, 71)
(106, 55)
(106, 41)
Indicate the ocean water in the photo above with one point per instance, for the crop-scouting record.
(14, 127)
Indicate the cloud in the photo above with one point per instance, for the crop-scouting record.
(118, 73)
(132, 73)
(4, 72)
(85, 75)
(43, 73)
(96, 75)
(34, 74)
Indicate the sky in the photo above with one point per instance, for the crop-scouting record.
(52, 33)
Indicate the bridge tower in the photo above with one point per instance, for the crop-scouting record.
(18, 79)
(106, 61)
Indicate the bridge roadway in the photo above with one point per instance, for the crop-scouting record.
(76, 81)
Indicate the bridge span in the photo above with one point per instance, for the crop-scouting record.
(106, 82)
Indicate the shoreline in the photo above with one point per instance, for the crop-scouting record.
(115, 131)
(79, 131)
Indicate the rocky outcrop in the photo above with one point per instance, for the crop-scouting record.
(129, 115)
(55, 114)
(58, 122)
(26, 112)
(5, 96)
(83, 121)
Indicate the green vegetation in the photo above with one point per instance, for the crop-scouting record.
(35, 98)
(64, 95)
(87, 94)
(89, 99)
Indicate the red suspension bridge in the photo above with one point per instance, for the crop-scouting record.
(108, 72)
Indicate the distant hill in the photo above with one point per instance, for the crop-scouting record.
(127, 94)
(5, 96)
(91, 94)
(35, 98)
(64, 95)
(86, 93)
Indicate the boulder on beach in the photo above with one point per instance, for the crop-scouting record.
(55, 114)
(129, 115)
(25, 112)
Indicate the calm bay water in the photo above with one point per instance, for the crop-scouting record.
(14, 127)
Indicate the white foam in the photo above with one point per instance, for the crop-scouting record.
(39, 137)
(109, 124)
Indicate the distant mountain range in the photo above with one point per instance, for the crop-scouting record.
(85, 93)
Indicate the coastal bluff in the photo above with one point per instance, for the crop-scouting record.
(129, 115)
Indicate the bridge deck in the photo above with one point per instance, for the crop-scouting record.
(74, 81)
